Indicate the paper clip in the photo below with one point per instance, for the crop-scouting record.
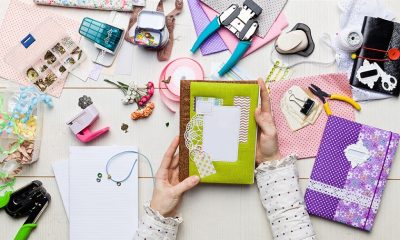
(306, 106)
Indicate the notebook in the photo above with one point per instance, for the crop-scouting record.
(381, 42)
(350, 172)
(100, 209)
(218, 131)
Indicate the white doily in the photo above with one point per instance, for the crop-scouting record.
(193, 141)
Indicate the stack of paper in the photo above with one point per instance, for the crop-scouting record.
(99, 209)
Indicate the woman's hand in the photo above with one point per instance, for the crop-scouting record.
(267, 144)
(168, 190)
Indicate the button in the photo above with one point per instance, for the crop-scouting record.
(394, 54)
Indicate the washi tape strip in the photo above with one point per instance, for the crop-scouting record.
(244, 104)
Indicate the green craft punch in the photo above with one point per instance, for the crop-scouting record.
(30, 201)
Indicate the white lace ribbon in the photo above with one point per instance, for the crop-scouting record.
(344, 194)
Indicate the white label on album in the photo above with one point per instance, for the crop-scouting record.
(357, 154)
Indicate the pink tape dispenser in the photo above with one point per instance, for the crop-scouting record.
(80, 125)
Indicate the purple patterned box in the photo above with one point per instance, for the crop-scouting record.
(350, 172)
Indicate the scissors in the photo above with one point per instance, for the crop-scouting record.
(323, 95)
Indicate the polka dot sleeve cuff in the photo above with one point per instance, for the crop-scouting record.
(281, 197)
(154, 226)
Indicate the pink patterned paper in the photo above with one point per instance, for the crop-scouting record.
(231, 41)
(19, 20)
(305, 142)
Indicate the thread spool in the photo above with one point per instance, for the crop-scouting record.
(350, 40)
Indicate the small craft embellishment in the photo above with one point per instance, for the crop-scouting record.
(370, 73)
(139, 95)
(244, 104)
(85, 102)
(203, 163)
(357, 154)
(144, 112)
(124, 127)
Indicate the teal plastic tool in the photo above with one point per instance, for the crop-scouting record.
(103, 34)
(238, 20)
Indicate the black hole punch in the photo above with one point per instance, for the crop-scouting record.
(118, 184)
(98, 180)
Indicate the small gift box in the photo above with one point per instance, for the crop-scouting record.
(350, 172)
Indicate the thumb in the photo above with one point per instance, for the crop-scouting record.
(259, 119)
(187, 184)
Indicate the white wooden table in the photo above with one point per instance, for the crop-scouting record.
(210, 212)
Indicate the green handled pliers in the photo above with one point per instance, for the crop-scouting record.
(29, 201)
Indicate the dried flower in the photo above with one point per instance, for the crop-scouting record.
(144, 112)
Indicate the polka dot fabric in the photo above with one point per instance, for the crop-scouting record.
(338, 134)
(367, 179)
(305, 142)
(19, 20)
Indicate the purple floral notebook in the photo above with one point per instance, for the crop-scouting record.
(350, 172)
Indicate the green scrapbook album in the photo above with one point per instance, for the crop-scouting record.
(218, 131)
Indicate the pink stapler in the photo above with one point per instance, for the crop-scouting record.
(80, 124)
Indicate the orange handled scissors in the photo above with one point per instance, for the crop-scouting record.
(323, 95)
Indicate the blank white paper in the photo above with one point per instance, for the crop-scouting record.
(221, 133)
(61, 172)
(102, 210)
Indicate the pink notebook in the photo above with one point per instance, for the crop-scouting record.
(305, 142)
(19, 20)
(231, 41)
